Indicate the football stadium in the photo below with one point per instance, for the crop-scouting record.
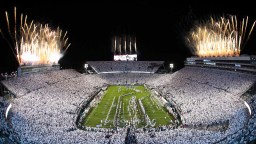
(211, 99)
(192, 105)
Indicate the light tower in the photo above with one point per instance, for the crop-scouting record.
(85, 66)
(171, 66)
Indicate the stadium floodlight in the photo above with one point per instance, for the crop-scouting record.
(86, 66)
(171, 66)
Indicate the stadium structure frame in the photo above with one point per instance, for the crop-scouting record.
(23, 70)
(244, 63)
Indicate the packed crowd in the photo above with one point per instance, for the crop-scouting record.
(46, 104)
(215, 98)
(5, 76)
(28, 83)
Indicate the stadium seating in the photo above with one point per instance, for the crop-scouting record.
(209, 102)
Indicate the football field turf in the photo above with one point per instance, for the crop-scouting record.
(127, 105)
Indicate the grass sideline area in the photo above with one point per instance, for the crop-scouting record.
(120, 106)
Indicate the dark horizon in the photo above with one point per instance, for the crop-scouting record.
(158, 26)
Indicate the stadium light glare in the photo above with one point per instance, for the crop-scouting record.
(86, 66)
(247, 105)
(7, 110)
(171, 66)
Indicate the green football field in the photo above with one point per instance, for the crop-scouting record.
(127, 105)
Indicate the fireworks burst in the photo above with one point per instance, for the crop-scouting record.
(35, 43)
(224, 36)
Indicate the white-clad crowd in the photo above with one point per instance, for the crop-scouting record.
(46, 106)
(31, 82)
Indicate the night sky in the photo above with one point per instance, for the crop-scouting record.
(159, 26)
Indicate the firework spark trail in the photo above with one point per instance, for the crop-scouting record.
(130, 46)
(12, 42)
(135, 45)
(120, 40)
(36, 44)
(115, 46)
(124, 44)
(219, 37)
